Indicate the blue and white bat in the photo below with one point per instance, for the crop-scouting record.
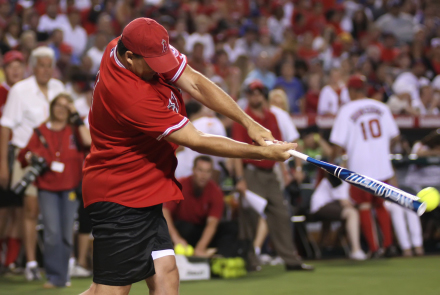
(375, 187)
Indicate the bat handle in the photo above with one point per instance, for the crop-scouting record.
(293, 153)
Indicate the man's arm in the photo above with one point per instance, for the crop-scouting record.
(175, 236)
(207, 235)
(212, 96)
(5, 134)
(225, 147)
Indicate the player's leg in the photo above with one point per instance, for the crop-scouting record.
(384, 220)
(14, 234)
(261, 235)
(351, 217)
(363, 201)
(397, 214)
(415, 230)
(166, 279)
(30, 235)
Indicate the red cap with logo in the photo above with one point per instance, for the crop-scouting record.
(147, 38)
(11, 56)
(356, 81)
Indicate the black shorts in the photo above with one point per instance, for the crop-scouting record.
(126, 239)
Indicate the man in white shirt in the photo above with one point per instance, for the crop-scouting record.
(27, 107)
(411, 78)
(52, 20)
(333, 95)
(364, 128)
(95, 53)
(74, 34)
(207, 124)
(201, 36)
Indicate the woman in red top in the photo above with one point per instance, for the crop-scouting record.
(60, 142)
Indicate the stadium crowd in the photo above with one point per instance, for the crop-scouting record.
(277, 59)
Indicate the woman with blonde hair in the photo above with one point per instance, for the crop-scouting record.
(60, 141)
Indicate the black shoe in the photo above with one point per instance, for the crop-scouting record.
(391, 252)
(301, 266)
(377, 254)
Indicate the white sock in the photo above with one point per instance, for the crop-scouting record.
(257, 250)
(31, 264)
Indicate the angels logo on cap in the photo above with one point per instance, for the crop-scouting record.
(147, 38)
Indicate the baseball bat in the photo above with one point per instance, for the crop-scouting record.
(375, 187)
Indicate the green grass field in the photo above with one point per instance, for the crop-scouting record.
(340, 277)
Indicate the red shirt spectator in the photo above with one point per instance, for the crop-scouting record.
(267, 120)
(65, 144)
(196, 209)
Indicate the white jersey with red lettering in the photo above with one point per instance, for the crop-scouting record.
(364, 128)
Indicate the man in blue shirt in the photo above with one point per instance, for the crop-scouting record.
(292, 86)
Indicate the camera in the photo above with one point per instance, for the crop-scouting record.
(38, 166)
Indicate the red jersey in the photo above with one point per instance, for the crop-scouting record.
(196, 210)
(65, 143)
(269, 121)
(4, 90)
(130, 163)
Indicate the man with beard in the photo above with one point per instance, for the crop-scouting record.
(194, 220)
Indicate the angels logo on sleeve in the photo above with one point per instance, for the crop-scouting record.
(173, 103)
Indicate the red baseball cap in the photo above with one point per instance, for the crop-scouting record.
(147, 38)
(11, 56)
(356, 81)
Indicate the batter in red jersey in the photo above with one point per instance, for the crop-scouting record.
(137, 120)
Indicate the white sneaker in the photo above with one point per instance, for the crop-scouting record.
(277, 261)
(32, 273)
(358, 255)
(264, 259)
(80, 272)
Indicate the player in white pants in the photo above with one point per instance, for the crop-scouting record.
(408, 229)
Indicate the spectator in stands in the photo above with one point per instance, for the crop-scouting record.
(292, 86)
(205, 121)
(262, 71)
(279, 106)
(397, 22)
(197, 60)
(194, 221)
(232, 47)
(26, 108)
(10, 218)
(74, 34)
(12, 33)
(55, 42)
(434, 60)
(266, 43)
(333, 95)
(229, 73)
(429, 104)
(312, 94)
(249, 41)
(95, 53)
(258, 177)
(202, 36)
(28, 42)
(60, 141)
(389, 51)
(52, 19)
(277, 23)
(400, 103)
(411, 78)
